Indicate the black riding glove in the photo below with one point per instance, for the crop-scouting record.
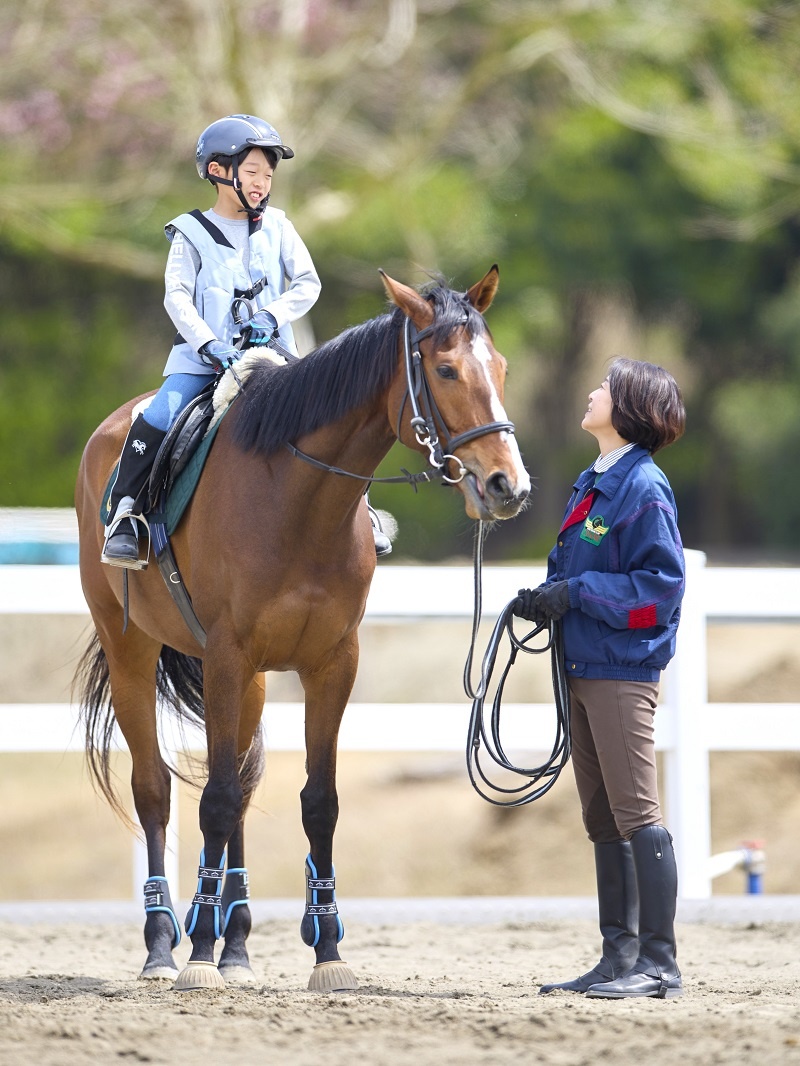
(525, 605)
(553, 600)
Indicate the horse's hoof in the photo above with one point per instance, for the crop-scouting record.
(159, 973)
(238, 975)
(199, 976)
(334, 976)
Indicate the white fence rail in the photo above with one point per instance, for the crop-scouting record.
(688, 727)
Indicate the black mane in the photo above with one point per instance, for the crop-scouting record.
(281, 404)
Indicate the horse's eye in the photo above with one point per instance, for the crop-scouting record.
(447, 371)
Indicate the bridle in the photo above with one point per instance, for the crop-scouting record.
(425, 416)
(424, 412)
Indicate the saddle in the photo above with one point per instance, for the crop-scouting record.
(173, 480)
(181, 442)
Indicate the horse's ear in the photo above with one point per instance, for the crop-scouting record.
(418, 309)
(482, 294)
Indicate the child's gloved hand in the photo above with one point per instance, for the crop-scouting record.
(218, 354)
(261, 328)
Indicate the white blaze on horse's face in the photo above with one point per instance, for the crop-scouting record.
(516, 478)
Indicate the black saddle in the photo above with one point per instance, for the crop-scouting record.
(181, 442)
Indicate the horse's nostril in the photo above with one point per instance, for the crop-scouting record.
(499, 487)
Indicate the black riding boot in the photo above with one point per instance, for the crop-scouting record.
(383, 545)
(618, 913)
(655, 973)
(138, 453)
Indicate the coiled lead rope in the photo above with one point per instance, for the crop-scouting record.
(538, 779)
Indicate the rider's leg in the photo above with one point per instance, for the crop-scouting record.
(383, 545)
(136, 461)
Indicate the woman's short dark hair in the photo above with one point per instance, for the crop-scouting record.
(647, 404)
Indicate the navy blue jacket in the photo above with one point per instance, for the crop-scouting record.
(620, 550)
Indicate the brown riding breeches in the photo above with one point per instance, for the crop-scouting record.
(613, 756)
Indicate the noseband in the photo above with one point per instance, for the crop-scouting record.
(424, 412)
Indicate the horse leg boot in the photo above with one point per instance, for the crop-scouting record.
(141, 446)
(618, 910)
(655, 973)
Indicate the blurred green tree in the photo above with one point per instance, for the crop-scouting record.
(632, 167)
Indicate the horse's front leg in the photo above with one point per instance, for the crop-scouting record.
(326, 698)
(234, 962)
(225, 682)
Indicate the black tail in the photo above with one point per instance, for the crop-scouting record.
(179, 689)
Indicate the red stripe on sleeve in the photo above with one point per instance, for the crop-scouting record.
(642, 617)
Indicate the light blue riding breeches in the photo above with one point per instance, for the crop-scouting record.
(172, 397)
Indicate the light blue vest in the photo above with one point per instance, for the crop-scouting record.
(221, 274)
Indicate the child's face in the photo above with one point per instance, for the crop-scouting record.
(255, 178)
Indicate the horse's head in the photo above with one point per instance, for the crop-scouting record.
(449, 402)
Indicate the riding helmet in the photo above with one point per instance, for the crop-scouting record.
(231, 135)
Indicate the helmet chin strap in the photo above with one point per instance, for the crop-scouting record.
(252, 212)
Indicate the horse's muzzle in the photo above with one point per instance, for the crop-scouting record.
(494, 499)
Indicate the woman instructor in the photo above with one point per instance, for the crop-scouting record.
(616, 580)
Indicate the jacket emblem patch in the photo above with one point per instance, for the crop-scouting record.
(593, 529)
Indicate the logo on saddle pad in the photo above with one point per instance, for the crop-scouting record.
(139, 446)
(593, 530)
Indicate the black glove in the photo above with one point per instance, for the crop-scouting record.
(218, 354)
(553, 600)
(526, 606)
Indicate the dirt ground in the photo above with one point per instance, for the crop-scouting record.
(450, 995)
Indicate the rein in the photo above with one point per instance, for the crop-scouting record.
(424, 417)
(538, 779)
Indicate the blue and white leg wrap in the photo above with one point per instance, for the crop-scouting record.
(314, 884)
(235, 893)
(157, 898)
(205, 899)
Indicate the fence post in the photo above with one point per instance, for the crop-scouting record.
(686, 756)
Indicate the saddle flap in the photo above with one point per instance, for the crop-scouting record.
(180, 443)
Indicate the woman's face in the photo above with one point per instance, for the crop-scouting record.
(598, 414)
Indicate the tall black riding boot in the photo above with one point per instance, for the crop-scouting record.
(136, 461)
(383, 544)
(619, 916)
(655, 973)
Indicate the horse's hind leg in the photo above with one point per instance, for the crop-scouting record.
(234, 962)
(132, 667)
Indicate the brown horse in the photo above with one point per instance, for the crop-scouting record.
(278, 555)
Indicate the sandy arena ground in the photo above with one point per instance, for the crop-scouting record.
(430, 993)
